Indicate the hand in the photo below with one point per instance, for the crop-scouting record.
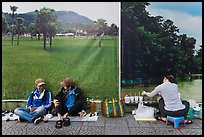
(56, 102)
(66, 114)
(143, 93)
(81, 114)
(32, 109)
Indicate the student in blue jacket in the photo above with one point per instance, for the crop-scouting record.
(39, 101)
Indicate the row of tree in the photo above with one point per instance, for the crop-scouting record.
(154, 46)
(47, 24)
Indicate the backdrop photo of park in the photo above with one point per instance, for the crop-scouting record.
(53, 45)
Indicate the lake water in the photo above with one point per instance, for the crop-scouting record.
(191, 90)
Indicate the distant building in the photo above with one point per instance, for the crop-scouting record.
(64, 34)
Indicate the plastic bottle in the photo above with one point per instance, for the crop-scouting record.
(127, 99)
(92, 107)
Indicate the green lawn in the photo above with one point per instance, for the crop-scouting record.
(94, 69)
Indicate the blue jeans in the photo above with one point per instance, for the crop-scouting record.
(25, 113)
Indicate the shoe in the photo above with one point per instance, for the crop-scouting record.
(188, 121)
(8, 118)
(161, 118)
(66, 121)
(38, 120)
(158, 116)
(59, 124)
(45, 119)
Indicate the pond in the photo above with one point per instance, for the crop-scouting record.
(191, 90)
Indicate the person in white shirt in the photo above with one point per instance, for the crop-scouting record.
(169, 103)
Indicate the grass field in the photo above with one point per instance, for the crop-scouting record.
(94, 69)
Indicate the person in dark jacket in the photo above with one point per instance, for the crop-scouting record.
(39, 101)
(69, 101)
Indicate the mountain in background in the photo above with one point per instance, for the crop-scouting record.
(72, 18)
(65, 18)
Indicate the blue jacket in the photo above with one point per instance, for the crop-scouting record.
(79, 98)
(37, 99)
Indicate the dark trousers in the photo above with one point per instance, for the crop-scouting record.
(62, 109)
(183, 112)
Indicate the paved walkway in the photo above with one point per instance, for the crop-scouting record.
(103, 126)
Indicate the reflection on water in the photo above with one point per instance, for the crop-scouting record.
(191, 90)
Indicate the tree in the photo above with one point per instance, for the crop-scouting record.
(133, 20)
(32, 29)
(198, 61)
(13, 9)
(4, 24)
(113, 30)
(101, 26)
(46, 20)
(51, 31)
(186, 53)
(152, 45)
(19, 27)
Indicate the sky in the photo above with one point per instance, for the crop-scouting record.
(93, 10)
(187, 16)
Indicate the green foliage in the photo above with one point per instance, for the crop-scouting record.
(4, 24)
(152, 45)
(94, 69)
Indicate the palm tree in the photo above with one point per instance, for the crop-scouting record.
(51, 31)
(102, 27)
(32, 29)
(13, 9)
(19, 27)
(46, 23)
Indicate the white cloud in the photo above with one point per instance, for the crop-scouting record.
(187, 24)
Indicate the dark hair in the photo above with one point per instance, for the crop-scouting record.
(170, 78)
(72, 87)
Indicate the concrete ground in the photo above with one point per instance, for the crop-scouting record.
(103, 126)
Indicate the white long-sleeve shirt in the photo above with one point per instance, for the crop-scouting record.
(169, 92)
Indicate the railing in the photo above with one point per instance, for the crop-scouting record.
(11, 104)
(13, 100)
(194, 76)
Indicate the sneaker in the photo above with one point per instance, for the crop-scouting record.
(38, 120)
(7, 118)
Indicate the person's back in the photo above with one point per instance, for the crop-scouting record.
(169, 92)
